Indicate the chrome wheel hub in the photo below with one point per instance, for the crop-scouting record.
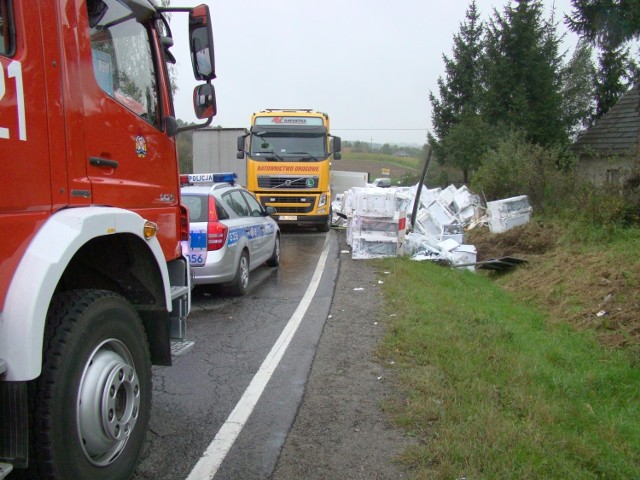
(108, 402)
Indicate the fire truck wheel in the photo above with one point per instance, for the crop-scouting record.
(91, 404)
(240, 283)
(274, 260)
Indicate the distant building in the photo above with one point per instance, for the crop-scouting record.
(609, 151)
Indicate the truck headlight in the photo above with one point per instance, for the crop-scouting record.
(323, 200)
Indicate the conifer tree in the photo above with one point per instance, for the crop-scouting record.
(523, 73)
(459, 91)
(616, 73)
(609, 23)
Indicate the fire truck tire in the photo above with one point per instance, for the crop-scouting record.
(91, 404)
(240, 284)
(274, 260)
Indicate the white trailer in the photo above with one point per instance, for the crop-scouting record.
(214, 150)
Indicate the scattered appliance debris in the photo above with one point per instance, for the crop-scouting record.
(496, 264)
(377, 221)
(508, 213)
(376, 225)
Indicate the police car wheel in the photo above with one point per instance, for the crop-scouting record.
(240, 283)
(91, 404)
(274, 260)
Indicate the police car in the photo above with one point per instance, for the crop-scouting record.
(231, 233)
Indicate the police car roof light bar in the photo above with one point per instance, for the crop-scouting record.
(195, 178)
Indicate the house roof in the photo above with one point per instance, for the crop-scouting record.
(617, 131)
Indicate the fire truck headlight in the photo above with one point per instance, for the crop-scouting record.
(323, 200)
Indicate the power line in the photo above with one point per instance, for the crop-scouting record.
(383, 129)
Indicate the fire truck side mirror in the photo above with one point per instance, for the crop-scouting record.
(201, 43)
(204, 101)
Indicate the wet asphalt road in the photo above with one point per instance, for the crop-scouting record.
(194, 397)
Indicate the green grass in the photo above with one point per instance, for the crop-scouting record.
(408, 162)
(496, 390)
(436, 176)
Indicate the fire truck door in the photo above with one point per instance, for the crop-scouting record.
(131, 162)
(25, 144)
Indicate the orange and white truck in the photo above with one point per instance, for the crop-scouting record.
(93, 280)
(288, 164)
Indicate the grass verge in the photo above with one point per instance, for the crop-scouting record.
(494, 389)
(373, 162)
(408, 162)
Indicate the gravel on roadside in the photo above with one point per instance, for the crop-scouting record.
(340, 431)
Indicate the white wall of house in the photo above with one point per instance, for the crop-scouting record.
(601, 170)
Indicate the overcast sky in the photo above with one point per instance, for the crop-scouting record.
(369, 64)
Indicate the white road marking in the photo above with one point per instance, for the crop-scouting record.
(217, 450)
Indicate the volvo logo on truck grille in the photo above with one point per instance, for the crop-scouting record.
(287, 181)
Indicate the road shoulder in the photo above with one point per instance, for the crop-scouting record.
(340, 430)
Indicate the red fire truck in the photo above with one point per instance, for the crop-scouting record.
(93, 281)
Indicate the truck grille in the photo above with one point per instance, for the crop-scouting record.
(305, 204)
(287, 181)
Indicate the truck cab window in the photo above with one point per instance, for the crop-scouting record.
(6, 28)
(122, 58)
(284, 144)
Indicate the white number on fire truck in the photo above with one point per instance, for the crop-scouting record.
(14, 71)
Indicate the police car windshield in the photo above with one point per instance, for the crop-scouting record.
(288, 146)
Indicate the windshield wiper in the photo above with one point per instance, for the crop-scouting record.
(305, 156)
(273, 155)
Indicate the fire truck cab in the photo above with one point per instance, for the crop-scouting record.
(93, 280)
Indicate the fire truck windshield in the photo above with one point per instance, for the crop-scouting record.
(288, 146)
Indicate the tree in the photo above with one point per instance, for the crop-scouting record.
(616, 71)
(518, 167)
(459, 90)
(611, 23)
(184, 145)
(459, 93)
(523, 73)
(171, 67)
(360, 147)
(466, 143)
(578, 89)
